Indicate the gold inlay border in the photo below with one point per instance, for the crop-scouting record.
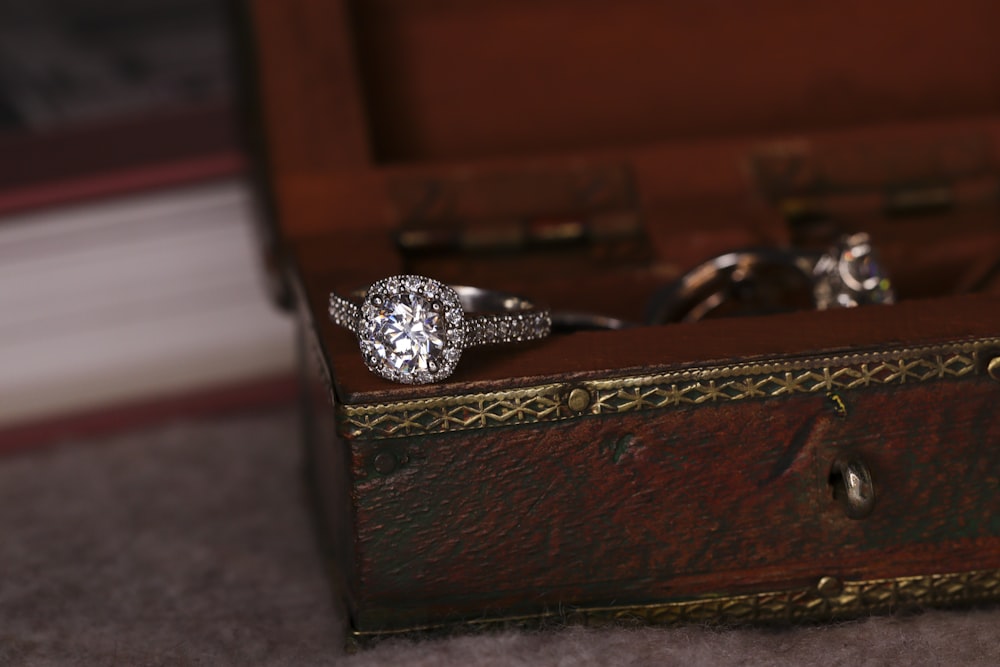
(849, 599)
(691, 386)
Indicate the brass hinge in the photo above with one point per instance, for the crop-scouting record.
(503, 210)
(892, 179)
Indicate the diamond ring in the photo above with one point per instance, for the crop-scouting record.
(763, 280)
(851, 274)
(413, 329)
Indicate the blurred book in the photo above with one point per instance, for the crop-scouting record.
(134, 298)
(129, 272)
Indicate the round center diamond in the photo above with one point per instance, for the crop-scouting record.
(411, 329)
(409, 334)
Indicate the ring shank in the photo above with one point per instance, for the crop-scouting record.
(344, 313)
(705, 287)
(494, 317)
(477, 300)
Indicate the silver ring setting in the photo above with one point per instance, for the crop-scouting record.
(413, 329)
(848, 274)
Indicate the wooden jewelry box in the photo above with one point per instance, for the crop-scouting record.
(585, 154)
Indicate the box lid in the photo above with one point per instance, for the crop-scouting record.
(389, 84)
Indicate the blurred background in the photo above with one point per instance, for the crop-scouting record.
(130, 283)
(71, 61)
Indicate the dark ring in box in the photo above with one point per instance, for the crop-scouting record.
(848, 274)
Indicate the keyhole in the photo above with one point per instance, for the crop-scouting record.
(853, 487)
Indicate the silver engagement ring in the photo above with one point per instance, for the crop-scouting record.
(413, 329)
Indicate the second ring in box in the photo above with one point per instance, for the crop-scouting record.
(772, 279)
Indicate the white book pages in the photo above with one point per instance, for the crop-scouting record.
(128, 299)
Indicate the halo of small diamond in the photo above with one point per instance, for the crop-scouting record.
(411, 329)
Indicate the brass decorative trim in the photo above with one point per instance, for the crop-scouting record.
(813, 603)
(693, 386)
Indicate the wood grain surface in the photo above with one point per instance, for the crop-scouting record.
(703, 500)
(730, 128)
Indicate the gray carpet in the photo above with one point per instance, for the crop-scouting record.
(190, 544)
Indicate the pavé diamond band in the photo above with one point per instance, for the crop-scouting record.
(848, 274)
(413, 329)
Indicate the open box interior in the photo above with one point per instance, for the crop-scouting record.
(584, 154)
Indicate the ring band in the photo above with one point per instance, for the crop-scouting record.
(413, 329)
(849, 274)
(573, 321)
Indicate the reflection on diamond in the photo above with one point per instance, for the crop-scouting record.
(408, 334)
